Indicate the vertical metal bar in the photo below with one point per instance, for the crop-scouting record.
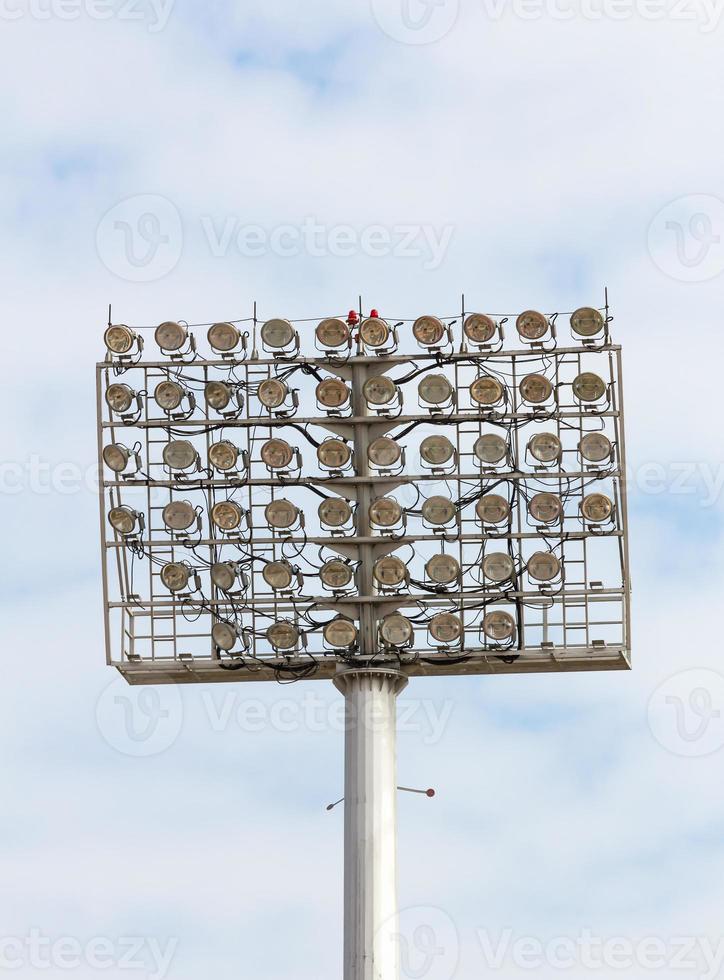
(102, 507)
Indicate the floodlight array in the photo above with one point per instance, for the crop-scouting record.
(361, 490)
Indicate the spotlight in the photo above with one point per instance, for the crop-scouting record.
(281, 513)
(532, 325)
(436, 450)
(383, 452)
(333, 332)
(588, 387)
(340, 633)
(180, 454)
(396, 630)
(543, 566)
(283, 635)
(374, 332)
(438, 510)
(120, 339)
(116, 457)
(179, 515)
(278, 575)
(277, 334)
(277, 454)
(385, 512)
(490, 448)
(168, 395)
(223, 455)
(226, 515)
(272, 393)
(479, 328)
(595, 447)
(334, 512)
(219, 394)
(379, 390)
(224, 636)
(596, 508)
(175, 576)
(389, 571)
(535, 389)
(435, 389)
(545, 447)
(499, 625)
(428, 330)
(335, 573)
(333, 393)
(119, 398)
(445, 628)
(124, 519)
(493, 509)
(223, 337)
(498, 567)
(223, 575)
(171, 336)
(442, 569)
(334, 454)
(586, 322)
(486, 391)
(545, 508)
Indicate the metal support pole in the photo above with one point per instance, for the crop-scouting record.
(370, 823)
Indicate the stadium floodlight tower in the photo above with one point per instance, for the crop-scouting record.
(364, 501)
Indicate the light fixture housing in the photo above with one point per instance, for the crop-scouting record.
(385, 512)
(436, 450)
(336, 574)
(281, 514)
(116, 457)
(532, 325)
(277, 454)
(175, 576)
(333, 393)
(435, 389)
(498, 567)
(499, 625)
(595, 447)
(180, 454)
(374, 332)
(480, 328)
(446, 628)
(179, 515)
(438, 510)
(340, 633)
(277, 334)
(223, 337)
(493, 509)
(535, 389)
(587, 322)
(168, 395)
(171, 335)
(396, 630)
(223, 575)
(335, 512)
(379, 390)
(333, 333)
(543, 566)
(589, 387)
(224, 455)
(278, 575)
(545, 447)
(389, 571)
(545, 507)
(490, 448)
(120, 339)
(428, 331)
(226, 515)
(224, 636)
(384, 452)
(119, 398)
(442, 569)
(124, 519)
(272, 393)
(283, 635)
(597, 508)
(486, 391)
(334, 453)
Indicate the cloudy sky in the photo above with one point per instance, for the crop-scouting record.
(182, 160)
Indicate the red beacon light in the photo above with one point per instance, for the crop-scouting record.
(352, 318)
(374, 315)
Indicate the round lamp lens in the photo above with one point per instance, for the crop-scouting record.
(179, 455)
(428, 330)
(532, 325)
(171, 335)
(436, 450)
(277, 453)
(486, 391)
(332, 333)
(223, 337)
(223, 575)
(223, 455)
(543, 566)
(499, 626)
(438, 510)
(334, 512)
(116, 457)
(383, 452)
(278, 575)
(272, 393)
(340, 633)
(588, 387)
(435, 389)
(332, 393)
(175, 576)
(168, 395)
(442, 569)
(123, 519)
(493, 509)
(479, 328)
(179, 515)
(281, 513)
(389, 571)
(334, 453)
(545, 507)
(226, 515)
(283, 635)
(119, 398)
(277, 333)
(536, 389)
(586, 322)
(545, 447)
(119, 339)
(596, 508)
(379, 390)
(224, 636)
(385, 512)
(490, 448)
(335, 574)
(595, 447)
(446, 628)
(396, 630)
(498, 567)
(374, 332)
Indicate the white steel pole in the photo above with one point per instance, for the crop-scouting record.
(370, 823)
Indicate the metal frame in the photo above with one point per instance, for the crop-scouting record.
(155, 637)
